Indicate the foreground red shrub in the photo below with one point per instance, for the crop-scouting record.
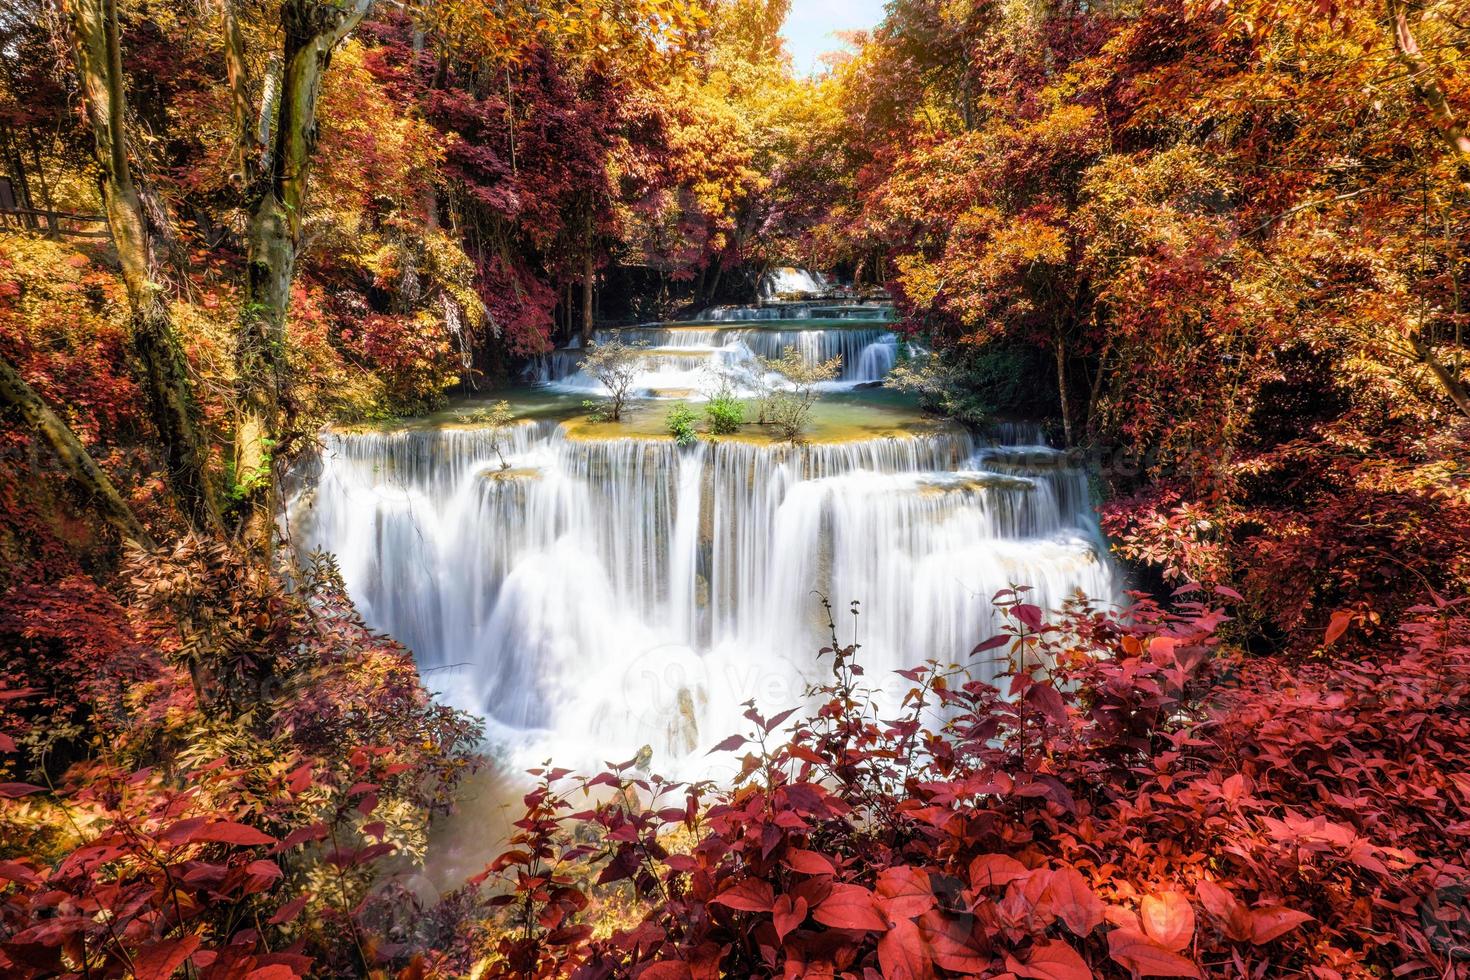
(258, 757)
(1134, 803)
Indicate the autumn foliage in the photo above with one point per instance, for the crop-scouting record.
(1130, 801)
(1221, 247)
(266, 754)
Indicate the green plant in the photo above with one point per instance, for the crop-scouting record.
(974, 385)
(682, 421)
(497, 418)
(725, 413)
(788, 407)
(614, 364)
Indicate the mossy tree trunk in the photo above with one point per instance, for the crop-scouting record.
(276, 201)
(163, 369)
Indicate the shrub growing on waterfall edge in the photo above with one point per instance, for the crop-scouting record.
(683, 424)
(789, 408)
(724, 413)
(1130, 802)
(615, 365)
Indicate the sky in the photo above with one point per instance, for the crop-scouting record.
(809, 27)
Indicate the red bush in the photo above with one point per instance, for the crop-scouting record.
(258, 753)
(1133, 802)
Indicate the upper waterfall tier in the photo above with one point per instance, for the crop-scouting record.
(688, 360)
(593, 596)
(797, 311)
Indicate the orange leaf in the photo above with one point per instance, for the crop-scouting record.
(159, 960)
(1146, 958)
(1168, 920)
(1054, 960)
(1074, 902)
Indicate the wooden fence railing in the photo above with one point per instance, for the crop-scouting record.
(54, 224)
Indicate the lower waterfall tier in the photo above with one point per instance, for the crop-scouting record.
(590, 598)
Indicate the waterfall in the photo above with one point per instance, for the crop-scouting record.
(788, 281)
(686, 361)
(796, 311)
(589, 598)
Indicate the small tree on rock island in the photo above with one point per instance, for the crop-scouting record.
(615, 366)
(497, 419)
(790, 409)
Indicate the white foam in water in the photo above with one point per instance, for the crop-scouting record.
(796, 310)
(788, 281)
(600, 597)
(687, 362)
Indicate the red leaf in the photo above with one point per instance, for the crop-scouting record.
(1053, 960)
(1338, 625)
(158, 961)
(1030, 615)
(7, 744)
(229, 832)
(749, 895)
(850, 907)
(1145, 958)
(1268, 923)
(1168, 920)
(1045, 697)
(991, 644)
(667, 971)
(1226, 909)
(262, 874)
(15, 871)
(275, 971)
(904, 954)
(728, 745)
(951, 943)
(1073, 901)
(776, 721)
(995, 871)
(904, 892)
(290, 910)
(808, 862)
(11, 791)
(788, 914)
(299, 779)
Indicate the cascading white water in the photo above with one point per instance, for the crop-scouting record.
(596, 597)
(795, 311)
(688, 361)
(789, 281)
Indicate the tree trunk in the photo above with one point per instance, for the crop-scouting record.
(1427, 84)
(1061, 348)
(714, 289)
(312, 29)
(15, 165)
(588, 274)
(73, 455)
(40, 167)
(1090, 423)
(1447, 379)
(237, 76)
(164, 369)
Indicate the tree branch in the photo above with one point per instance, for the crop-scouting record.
(1427, 84)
